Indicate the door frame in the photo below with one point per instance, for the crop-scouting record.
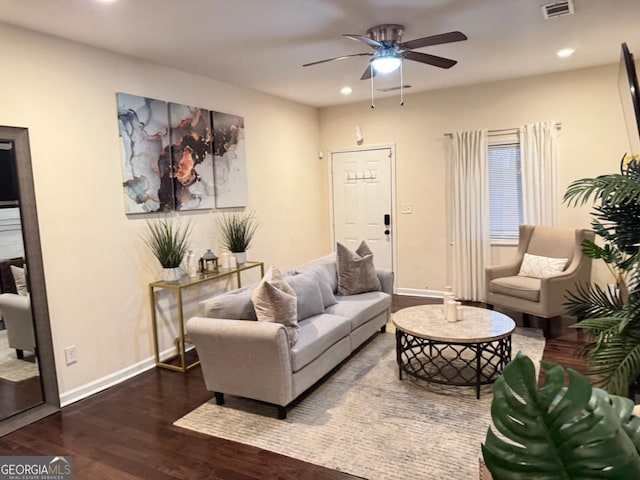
(392, 147)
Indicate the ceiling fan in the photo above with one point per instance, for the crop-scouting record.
(390, 51)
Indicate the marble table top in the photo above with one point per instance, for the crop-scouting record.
(477, 325)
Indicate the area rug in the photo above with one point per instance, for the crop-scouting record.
(11, 368)
(364, 421)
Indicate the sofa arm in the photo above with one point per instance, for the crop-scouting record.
(243, 357)
(386, 280)
(16, 312)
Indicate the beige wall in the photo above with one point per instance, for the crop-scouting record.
(96, 267)
(593, 138)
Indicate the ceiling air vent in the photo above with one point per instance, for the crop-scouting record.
(557, 9)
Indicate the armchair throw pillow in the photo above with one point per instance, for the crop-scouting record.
(536, 266)
(20, 278)
(275, 301)
(356, 271)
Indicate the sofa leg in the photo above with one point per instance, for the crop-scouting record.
(19, 353)
(383, 328)
(282, 412)
(546, 327)
(526, 320)
(219, 398)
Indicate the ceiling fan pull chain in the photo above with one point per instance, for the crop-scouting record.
(401, 85)
(371, 70)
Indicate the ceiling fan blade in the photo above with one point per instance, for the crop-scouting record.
(367, 73)
(363, 38)
(429, 59)
(338, 58)
(434, 40)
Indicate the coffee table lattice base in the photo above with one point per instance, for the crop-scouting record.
(463, 364)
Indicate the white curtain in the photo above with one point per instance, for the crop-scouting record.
(470, 213)
(538, 160)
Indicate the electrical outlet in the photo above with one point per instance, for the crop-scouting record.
(406, 208)
(70, 354)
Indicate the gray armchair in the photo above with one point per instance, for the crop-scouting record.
(16, 312)
(542, 297)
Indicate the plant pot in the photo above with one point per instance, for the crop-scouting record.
(241, 257)
(171, 274)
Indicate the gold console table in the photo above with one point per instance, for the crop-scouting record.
(178, 286)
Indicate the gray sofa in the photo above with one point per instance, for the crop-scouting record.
(243, 357)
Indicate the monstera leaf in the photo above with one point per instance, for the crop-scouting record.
(553, 432)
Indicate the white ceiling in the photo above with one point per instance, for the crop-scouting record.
(261, 44)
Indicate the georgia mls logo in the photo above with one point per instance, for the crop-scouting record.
(59, 466)
(35, 468)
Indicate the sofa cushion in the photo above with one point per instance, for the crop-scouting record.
(308, 295)
(541, 267)
(361, 307)
(356, 271)
(326, 263)
(235, 305)
(517, 286)
(317, 335)
(275, 301)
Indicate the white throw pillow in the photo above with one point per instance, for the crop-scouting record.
(536, 266)
(20, 277)
(275, 301)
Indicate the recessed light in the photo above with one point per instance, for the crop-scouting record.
(565, 52)
(346, 90)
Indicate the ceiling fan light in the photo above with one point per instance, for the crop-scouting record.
(386, 64)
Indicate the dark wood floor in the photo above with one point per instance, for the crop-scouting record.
(126, 431)
(18, 396)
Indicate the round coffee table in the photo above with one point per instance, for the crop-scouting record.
(469, 352)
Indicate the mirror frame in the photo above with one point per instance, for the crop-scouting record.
(19, 136)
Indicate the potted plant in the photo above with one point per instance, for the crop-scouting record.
(167, 239)
(236, 233)
(576, 432)
(612, 315)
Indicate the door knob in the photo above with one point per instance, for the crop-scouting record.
(387, 231)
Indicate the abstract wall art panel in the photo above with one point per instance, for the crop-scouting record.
(192, 160)
(230, 168)
(178, 157)
(144, 141)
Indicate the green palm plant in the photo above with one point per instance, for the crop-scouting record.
(168, 241)
(556, 432)
(237, 230)
(612, 316)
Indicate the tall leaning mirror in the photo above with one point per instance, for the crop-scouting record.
(28, 385)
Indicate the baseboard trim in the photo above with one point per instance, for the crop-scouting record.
(416, 292)
(96, 386)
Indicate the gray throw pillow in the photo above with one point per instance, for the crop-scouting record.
(356, 271)
(235, 305)
(308, 295)
(275, 301)
(321, 277)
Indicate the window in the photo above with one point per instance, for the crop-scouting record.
(505, 191)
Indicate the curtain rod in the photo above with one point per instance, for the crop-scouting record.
(502, 131)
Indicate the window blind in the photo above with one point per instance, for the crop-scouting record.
(505, 191)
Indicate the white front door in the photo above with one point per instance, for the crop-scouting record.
(362, 202)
